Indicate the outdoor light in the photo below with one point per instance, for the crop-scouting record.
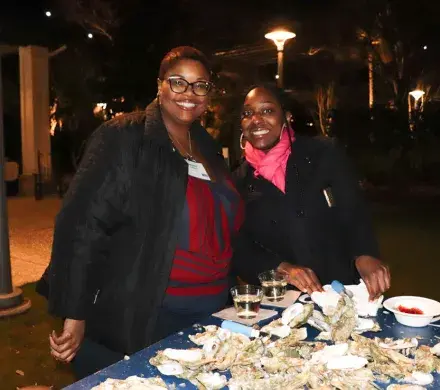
(90, 35)
(279, 37)
(417, 94)
(425, 47)
(48, 14)
(100, 109)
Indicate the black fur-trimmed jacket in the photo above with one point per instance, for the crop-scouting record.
(116, 233)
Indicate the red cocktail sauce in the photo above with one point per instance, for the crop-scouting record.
(409, 310)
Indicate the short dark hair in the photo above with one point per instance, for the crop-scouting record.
(182, 53)
(280, 96)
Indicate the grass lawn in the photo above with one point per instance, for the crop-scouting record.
(24, 346)
(409, 234)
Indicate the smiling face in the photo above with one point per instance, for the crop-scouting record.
(183, 108)
(262, 119)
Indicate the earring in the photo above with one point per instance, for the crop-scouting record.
(282, 130)
(241, 142)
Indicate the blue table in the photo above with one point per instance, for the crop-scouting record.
(138, 363)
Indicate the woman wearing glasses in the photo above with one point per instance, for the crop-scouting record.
(145, 227)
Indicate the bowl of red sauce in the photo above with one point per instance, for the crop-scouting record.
(413, 311)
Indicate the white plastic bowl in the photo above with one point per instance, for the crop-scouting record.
(430, 309)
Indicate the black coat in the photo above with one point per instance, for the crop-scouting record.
(299, 227)
(116, 233)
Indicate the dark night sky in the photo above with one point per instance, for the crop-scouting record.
(224, 23)
(156, 26)
(148, 29)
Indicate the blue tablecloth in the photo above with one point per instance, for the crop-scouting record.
(138, 363)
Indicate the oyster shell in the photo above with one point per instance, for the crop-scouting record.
(400, 344)
(419, 378)
(347, 362)
(190, 355)
(210, 332)
(328, 352)
(297, 314)
(366, 325)
(132, 383)
(425, 360)
(435, 350)
(318, 321)
(343, 322)
(210, 380)
(170, 368)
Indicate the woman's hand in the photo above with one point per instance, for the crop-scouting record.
(64, 347)
(303, 278)
(375, 274)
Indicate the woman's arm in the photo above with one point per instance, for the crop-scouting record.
(92, 209)
(353, 210)
(350, 203)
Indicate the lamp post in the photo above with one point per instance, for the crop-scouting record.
(417, 94)
(279, 37)
(371, 73)
(11, 298)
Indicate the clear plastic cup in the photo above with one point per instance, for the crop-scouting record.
(274, 285)
(247, 300)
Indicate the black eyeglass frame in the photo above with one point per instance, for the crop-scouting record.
(188, 84)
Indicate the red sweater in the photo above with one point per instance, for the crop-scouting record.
(213, 212)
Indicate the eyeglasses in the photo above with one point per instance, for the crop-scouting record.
(180, 85)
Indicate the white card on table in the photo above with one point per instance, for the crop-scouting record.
(231, 315)
(289, 299)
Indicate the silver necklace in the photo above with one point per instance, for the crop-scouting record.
(190, 154)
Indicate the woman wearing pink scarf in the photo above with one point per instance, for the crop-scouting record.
(305, 214)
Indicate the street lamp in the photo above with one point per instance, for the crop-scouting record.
(417, 94)
(279, 37)
(11, 298)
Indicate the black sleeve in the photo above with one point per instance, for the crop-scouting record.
(92, 209)
(250, 259)
(351, 204)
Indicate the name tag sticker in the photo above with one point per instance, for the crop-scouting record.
(197, 170)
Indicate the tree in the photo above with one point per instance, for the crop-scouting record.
(388, 30)
(325, 103)
(95, 16)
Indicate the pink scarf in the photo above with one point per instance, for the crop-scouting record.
(272, 165)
